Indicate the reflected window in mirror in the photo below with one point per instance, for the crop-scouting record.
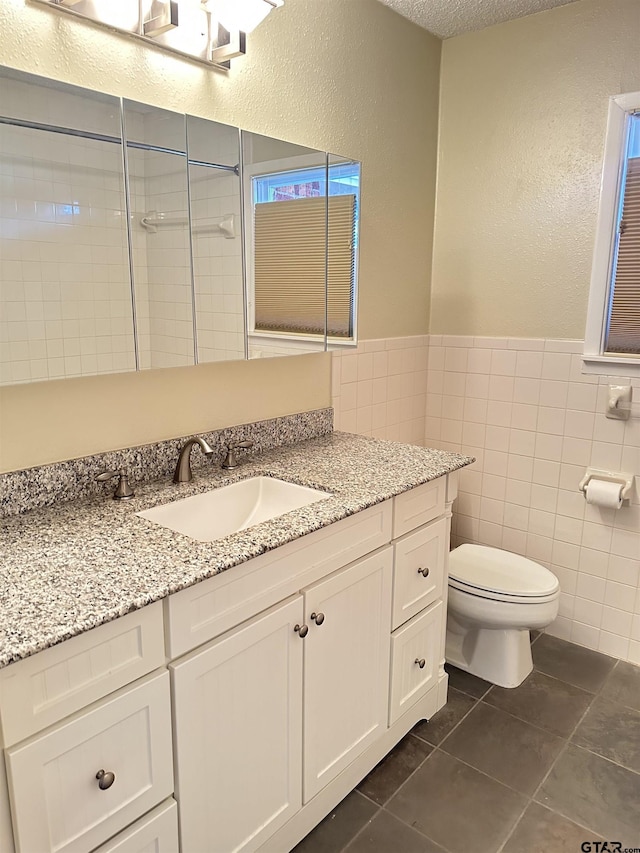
(302, 225)
(282, 202)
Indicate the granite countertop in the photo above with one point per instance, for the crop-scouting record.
(73, 566)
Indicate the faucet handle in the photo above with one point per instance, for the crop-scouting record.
(231, 460)
(243, 445)
(123, 489)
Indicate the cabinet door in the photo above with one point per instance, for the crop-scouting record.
(346, 667)
(238, 716)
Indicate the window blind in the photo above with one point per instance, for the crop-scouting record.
(624, 317)
(296, 268)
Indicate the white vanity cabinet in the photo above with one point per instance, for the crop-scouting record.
(242, 709)
(319, 662)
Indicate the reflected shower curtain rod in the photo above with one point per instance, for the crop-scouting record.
(103, 137)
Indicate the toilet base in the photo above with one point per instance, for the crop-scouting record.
(500, 656)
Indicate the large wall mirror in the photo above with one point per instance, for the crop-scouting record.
(133, 237)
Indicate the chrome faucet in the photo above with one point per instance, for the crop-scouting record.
(183, 473)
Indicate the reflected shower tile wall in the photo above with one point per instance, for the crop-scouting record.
(65, 302)
(380, 389)
(168, 269)
(218, 267)
(535, 422)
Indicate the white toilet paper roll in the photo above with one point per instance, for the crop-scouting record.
(605, 494)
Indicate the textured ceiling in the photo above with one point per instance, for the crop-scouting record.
(446, 18)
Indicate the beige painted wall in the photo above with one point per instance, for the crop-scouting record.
(350, 77)
(523, 118)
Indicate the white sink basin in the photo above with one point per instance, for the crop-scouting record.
(229, 509)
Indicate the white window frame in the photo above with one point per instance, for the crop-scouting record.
(595, 360)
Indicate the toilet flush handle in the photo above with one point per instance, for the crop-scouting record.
(423, 572)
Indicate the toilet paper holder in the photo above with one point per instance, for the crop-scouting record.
(621, 477)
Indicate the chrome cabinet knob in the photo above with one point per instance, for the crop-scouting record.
(423, 572)
(318, 618)
(105, 779)
(302, 630)
(421, 662)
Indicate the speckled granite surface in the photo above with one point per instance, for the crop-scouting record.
(46, 485)
(69, 567)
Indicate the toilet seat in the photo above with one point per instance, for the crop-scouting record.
(500, 575)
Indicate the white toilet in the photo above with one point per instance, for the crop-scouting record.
(495, 598)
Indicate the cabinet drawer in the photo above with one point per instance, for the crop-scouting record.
(417, 641)
(419, 506)
(43, 689)
(419, 570)
(210, 608)
(56, 799)
(156, 832)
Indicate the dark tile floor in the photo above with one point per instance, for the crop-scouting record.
(539, 769)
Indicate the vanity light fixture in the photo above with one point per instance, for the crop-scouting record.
(212, 31)
(235, 19)
(162, 21)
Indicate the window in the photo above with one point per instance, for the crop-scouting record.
(612, 341)
(305, 238)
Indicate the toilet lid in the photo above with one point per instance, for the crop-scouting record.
(491, 570)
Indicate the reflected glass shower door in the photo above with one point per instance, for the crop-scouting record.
(216, 237)
(160, 235)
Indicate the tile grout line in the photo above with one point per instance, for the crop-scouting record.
(546, 776)
(530, 798)
(366, 825)
(568, 741)
(599, 694)
(382, 807)
(579, 686)
(562, 751)
(434, 749)
(557, 759)
(460, 721)
(528, 722)
(482, 772)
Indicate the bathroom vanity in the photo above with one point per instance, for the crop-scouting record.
(237, 689)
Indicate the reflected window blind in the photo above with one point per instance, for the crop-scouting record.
(624, 318)
(290, 258)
